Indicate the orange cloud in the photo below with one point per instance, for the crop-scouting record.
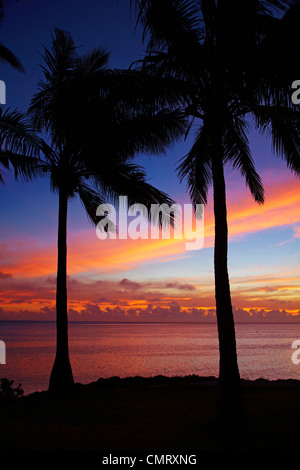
(297, 232)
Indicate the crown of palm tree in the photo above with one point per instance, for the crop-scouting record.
(94, 129)
(225, 51)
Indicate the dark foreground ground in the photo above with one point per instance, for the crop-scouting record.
(157, 415)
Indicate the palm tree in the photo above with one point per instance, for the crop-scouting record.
(224, 51)
(94, 128)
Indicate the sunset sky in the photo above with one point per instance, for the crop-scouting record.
(137, 280)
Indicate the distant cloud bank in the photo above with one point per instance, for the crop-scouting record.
(173, 313)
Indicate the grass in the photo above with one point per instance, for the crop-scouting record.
(157, 415)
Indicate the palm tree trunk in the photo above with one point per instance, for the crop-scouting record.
(230, 397)
(61, 378)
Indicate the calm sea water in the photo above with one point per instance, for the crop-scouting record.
(106, 350)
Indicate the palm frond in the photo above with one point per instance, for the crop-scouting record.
(145, 91)
(282, 125)
(1, 12)
(46, 110)
(150, 134)
(25, 167)
(124, 135)
(271, 6)
(209, 13)
(93, 61)
(16, 135)
(8, 57)
(60, 59)
(169, 22)
(195, 167)
(117, 179)
(236, 151)
(90, 200)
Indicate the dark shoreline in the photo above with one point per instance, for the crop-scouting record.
(117, 383)
(154, 414)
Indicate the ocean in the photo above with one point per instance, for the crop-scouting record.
(128, 350)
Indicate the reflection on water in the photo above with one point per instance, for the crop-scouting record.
(106, 350)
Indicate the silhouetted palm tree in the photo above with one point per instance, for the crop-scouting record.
(94, 125)
(224, 51)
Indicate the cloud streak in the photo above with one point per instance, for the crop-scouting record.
(172, 313)
(89, 254)
(187, 297)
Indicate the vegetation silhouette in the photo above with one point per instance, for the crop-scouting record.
(95, 123)
(237, 61)
(6, 55)
(19, 146)
(8, 392)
